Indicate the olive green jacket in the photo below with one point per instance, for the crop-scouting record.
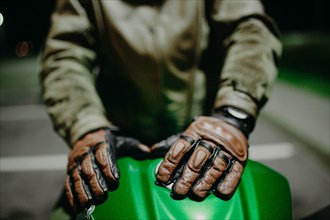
(149, 67)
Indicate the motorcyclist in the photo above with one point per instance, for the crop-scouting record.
(118, 77)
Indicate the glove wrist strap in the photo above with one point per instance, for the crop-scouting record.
(236, 117)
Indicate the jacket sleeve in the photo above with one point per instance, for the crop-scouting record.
(68, 87)
(252, 50)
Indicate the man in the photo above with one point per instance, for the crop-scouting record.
(197, 71)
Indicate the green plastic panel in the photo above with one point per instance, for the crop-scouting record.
(262, 194)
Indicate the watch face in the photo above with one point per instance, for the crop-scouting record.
(237, 113)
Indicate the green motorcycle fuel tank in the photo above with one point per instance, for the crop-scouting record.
(262, 194)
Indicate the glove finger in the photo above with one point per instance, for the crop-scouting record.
(172, 159)
(214, 171)
(93, 177)
(161, 148)
(80, 189)
(68, 186)
(105, 159)
(194, 166)
(228, 185)
(80, 152)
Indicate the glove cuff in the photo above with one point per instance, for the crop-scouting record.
(86, 125)
(236, 117)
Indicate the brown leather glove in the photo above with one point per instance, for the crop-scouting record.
(92, 168)
(209, 156)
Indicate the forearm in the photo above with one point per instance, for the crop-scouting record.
(250, 67)
(67, 80)
(251, 53)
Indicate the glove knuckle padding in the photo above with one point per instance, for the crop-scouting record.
(198, 159)
(172, 159)
(178, 150)
(222, 134)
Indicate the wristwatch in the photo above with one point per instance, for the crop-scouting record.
(236, 117)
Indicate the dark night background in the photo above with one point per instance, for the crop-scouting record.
(29, 21)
